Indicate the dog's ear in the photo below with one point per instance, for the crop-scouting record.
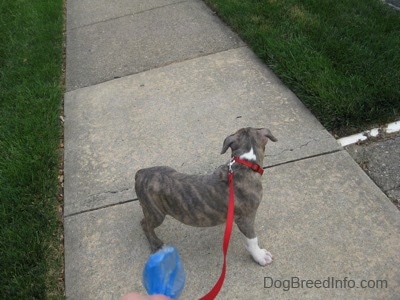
(229, 140)
(267, 134)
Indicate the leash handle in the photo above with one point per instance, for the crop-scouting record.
(227, 236)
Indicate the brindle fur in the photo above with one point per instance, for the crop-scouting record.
(201, 200)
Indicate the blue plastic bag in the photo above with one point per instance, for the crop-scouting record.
(164, 273)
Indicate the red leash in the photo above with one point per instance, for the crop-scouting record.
(229, 223)
(227, 235)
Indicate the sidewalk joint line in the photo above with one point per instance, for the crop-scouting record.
(155, 68)
(303, 158)
(265, 168)
(127, 15)
(99, 208)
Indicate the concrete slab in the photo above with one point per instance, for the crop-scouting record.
(85, 12)
(138, 42)
(380, 159)
(177, 115)
(321, 218)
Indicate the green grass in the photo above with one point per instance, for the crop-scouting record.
(31, 40)
(340, 57)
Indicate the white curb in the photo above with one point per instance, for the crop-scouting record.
(352, 139)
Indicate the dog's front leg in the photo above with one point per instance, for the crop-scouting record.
(246, 226)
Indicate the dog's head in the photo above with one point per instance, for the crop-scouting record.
(248, 142)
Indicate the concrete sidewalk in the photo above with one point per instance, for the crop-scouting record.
(156, 82)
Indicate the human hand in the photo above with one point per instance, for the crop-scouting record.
(136, 296)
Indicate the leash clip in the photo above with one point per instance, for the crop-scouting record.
(230, 164)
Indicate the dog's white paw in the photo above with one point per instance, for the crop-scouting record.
(261, 256)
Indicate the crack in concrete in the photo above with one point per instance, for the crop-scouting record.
(293, 149)
(109, 192)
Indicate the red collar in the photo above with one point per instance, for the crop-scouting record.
(255, 167)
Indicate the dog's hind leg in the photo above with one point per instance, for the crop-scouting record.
(151, 220)
(246, 226)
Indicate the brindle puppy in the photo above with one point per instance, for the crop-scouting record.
(202, 200)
